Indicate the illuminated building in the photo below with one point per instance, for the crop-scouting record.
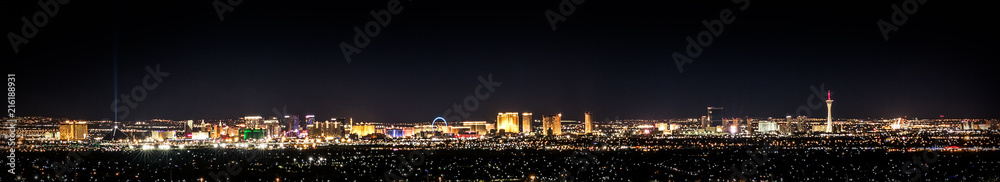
(214, 131)
(672, 128)
(704, 122)
(310, 119)
(571, 126)
(319, 129)
(326, 129)
(190, 126)
(199, 135)
(293, 125)
(734, 126)
(163, 135)
(362, 130)
(117, 135)
(460, 129)
(552, 124)
(507, 121)
(662, 126)
(801, 124)
(252, 121)
(395, 133)
(252, 133)
(313, 130)
(588, 126)
(73, 130)
(443, 129)
(819, 128)
(526, 122)
(829, 115)
(423, 129)
(273, 127)
(380, 128)
(336, 128)
(476, 126)
(767, 126)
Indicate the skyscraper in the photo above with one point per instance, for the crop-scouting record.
(362, 130)
(310, 119)
(704, 122)
(478, 126)
(70, 130)
(552, 123)
(507, 121)
(802, 124)
(588, 126)
(252, 121)
(829, 115)
(715, 117)
(338, 129)
(273, 127)
(526, 122)
(767, 126)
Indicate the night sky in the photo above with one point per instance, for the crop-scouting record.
(612, 58)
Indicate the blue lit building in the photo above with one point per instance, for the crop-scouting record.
(395, 133)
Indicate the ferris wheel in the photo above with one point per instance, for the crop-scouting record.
(433, 129)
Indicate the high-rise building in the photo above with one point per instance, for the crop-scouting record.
(551, 124)
(507, 121)
(252, 133)
(788, 118)
(394, 132)
(829, 115)
(337, 128)
(72, 130)
(190, 126)
(588, 126)
(273, 127)
(802, 124)
(310, 119)
(214, 131)
(293, 125)
(704, 122)
(476, 126)
(526, 122)
(324, 129)
(733, 126)
(252, 121)
(715, 117)
(767, 126)
(362, 130)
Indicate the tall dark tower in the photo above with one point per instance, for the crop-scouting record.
(715, 117)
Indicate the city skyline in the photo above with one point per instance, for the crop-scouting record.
(406, 90)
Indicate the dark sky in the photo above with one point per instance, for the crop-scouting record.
(612, 58)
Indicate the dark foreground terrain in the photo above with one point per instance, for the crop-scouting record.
(359, 163)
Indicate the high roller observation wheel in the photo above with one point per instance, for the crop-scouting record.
(435, 120)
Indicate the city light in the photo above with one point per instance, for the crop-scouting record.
(402, 90)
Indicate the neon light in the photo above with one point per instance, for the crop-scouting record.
(435, 120)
